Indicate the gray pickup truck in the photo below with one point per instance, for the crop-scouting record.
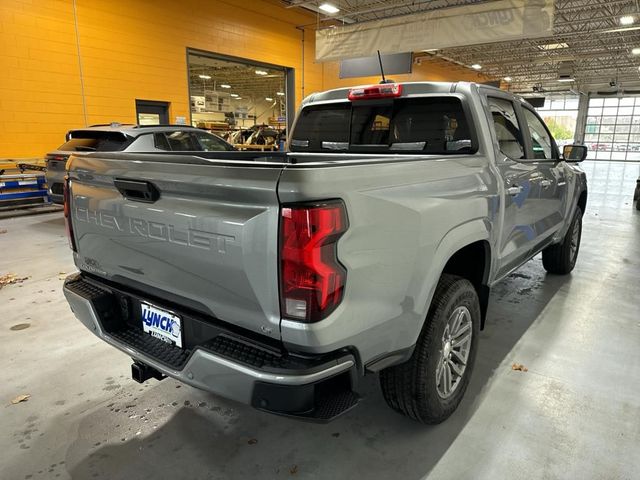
(279, 280)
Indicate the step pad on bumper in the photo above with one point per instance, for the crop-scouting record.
(170, 355)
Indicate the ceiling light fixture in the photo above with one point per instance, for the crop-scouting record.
(261, 72)
(623, 29)
(280, 93)
(507, 79)
(328, 8)
(566, 80)
(205, 77)
(224, 85)
(635, 51)
(627, 20)
(476, 66)
(237, 98)
(268, 99)
(233, 94)
(553, 46)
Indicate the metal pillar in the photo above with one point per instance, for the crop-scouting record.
(581, 122)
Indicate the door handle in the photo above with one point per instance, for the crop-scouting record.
(514, 190)
(137, 190)
(545, 183)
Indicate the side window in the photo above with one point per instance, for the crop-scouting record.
(180, 141)
(540, 138)
(505, 124)
(210, 143)
(160, 141)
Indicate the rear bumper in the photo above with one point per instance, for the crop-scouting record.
(316, 389)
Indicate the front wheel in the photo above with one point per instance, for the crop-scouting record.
(431, 384)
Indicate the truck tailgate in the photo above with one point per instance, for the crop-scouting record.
(210, 237)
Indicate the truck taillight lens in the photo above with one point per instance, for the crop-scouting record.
(67, 215)
(312, 279)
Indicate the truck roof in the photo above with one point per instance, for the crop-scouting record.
(410, 88)
(132, 129)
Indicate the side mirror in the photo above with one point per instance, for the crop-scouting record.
(574, 153)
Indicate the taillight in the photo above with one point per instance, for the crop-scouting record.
(67, 215)
(382, 90)
(312, 279)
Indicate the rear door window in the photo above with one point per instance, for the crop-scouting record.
(96, 141)
(436, 125)
(211, 143)
(180, 141)
(160, 141)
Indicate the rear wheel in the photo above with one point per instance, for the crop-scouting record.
(561, 257)
(431, 384)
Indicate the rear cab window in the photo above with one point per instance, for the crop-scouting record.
(96, 141)
(428, 125)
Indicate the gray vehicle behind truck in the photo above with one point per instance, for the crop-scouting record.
(280, 280)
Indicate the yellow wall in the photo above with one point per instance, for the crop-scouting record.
(137, 49)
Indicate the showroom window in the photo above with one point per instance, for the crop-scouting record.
(613, 128)
(244, 102)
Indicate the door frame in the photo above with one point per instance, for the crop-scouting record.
(141, 104)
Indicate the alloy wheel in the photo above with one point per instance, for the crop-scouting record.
(456, 346)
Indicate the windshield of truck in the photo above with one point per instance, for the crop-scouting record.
(95, 141)
(432, 125)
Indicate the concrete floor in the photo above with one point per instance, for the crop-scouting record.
(574, 414)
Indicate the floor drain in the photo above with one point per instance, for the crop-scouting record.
(20, 326)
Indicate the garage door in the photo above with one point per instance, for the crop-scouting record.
(613, 128)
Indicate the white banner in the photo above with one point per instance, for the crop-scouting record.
(497, 21)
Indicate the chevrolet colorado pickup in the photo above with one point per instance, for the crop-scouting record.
(279, 280)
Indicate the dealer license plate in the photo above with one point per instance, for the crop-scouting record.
(161, 324)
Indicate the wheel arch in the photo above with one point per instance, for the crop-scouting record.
(473, 262)
(582, 201)
(466, 251)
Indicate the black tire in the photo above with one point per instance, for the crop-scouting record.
(638, 204)
(561, 257)
(411, 388)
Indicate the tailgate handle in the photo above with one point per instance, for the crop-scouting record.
(137, 190)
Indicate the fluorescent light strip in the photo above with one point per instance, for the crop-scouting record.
(623, 29)
(328, 8)
(627, 20)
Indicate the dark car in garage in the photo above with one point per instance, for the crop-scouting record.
(117, 137)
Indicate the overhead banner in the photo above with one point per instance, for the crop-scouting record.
(393, 64)
(489, 22)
